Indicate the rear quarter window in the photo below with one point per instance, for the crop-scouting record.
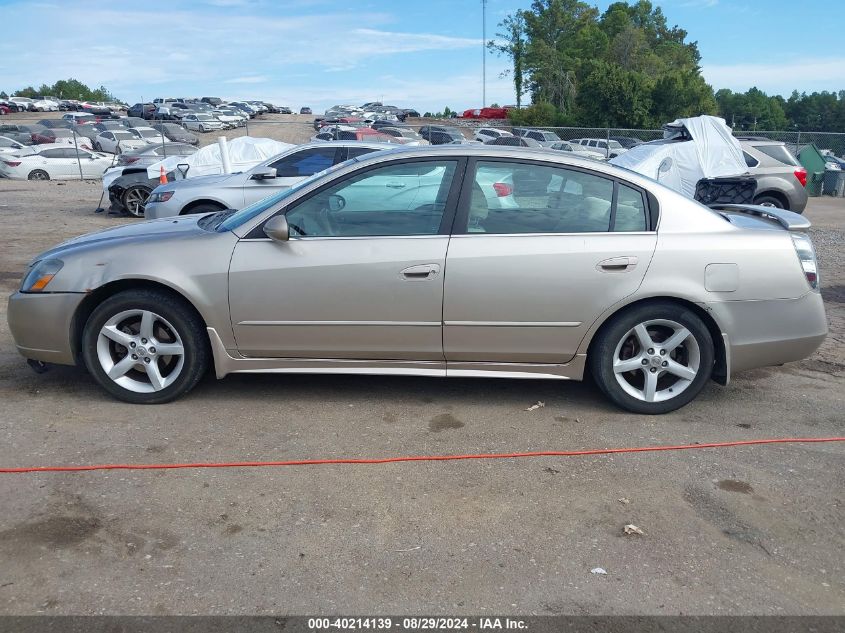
(778, 152)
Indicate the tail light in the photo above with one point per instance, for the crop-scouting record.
(12, 163)
(129, 161)
(801, 175)
(807, 256)
(502, 189)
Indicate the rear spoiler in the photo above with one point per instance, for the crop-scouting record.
(789, 220)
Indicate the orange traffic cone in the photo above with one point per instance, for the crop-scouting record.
(162, 178)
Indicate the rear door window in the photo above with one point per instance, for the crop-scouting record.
(512, 198)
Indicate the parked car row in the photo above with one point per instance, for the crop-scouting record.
(49, 103)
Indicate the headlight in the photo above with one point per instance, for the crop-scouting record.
(41, 274)
(160, 196)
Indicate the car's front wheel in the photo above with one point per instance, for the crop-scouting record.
(653, 358)
(145, 346)
(135, 200)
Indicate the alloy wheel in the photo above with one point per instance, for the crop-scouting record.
(140, 351)
(135, 201)
(656, 360)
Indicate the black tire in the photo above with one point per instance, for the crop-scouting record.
(202, 208)
(178, 314)
(97, 147)
(603, 352)
(38, 174)
(134, 200)
(769, 201)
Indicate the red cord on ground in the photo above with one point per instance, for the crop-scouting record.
(418, 458)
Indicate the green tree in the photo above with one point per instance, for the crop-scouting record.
(538, 114)
(3, 95)
(511, 43)
(614, 97)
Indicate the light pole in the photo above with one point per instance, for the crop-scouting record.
(483, 53)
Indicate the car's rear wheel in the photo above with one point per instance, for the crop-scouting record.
(653, 358)
(769, 201)
(145, 346)
(135, 200)
(38, 174)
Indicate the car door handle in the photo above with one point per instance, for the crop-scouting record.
(421, 272)
(617, 264)
(396, 185)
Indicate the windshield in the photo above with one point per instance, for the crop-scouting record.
(257, 208)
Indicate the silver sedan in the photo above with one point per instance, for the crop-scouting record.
(397, 263)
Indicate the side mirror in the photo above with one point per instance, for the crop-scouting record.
(276, 228)
(264, 173)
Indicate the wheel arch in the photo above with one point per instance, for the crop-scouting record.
(97, 296)
(773, 193)
(188, 208)
(721, 370)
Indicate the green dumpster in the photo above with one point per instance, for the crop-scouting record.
(813, 161)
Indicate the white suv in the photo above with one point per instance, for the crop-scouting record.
(611, 149)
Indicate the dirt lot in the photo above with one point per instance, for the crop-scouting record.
(756, 530)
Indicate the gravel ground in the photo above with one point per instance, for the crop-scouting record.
(756, 530)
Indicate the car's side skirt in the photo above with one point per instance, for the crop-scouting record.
(225, 363)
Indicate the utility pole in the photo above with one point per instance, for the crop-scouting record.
(483, 53)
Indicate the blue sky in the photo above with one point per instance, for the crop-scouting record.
(412, 54)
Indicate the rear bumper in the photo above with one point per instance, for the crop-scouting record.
(765, 333)
(41, 325)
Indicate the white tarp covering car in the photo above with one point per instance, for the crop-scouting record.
(696, 148)
(244, 152)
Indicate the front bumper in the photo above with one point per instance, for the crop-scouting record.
(41, 325)
(765, 333)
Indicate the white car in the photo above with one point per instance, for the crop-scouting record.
(147, 134)
(45, 105)
(9, 146)
(485, 134)
(116, 141)
(77, 118)
(575, 148)
(201, 122)
(610, 149)
(23, 102)
(229, 118)
(54, 161)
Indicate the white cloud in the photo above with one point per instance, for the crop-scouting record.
(779, 77)
(252, 79)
